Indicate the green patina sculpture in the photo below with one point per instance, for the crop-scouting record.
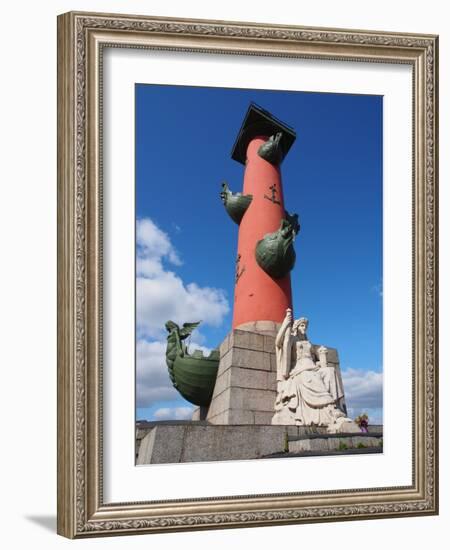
(236, 204)
(272, 150)
(193, 375)
(275, 253)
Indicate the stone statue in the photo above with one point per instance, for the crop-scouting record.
(309, 391)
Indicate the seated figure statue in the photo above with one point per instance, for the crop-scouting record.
(309, 392)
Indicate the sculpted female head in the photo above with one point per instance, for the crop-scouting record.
(300, 326)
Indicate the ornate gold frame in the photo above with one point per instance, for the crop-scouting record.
(81, 37)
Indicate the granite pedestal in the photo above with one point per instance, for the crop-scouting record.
(246, 385)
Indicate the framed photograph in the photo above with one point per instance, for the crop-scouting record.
(247, 286)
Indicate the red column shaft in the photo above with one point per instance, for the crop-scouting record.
(258, 297)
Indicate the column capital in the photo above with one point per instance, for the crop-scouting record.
(259, 122)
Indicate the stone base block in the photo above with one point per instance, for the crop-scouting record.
(245, 388)
(241, 417)
(269, 328)
(349, 427)
(198, 443)
(182, 441)
(200, 413)
(333, 443)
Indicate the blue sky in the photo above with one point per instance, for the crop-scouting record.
(186, 244)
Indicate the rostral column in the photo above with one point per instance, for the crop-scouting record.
(265, 254)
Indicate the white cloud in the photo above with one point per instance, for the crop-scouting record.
(196, 345)
(166, 297)
(152, 377)
(364, 393)
(162, 295)
(363, 388)
(154, 243)
(173, 413)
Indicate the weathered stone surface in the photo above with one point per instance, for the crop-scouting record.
(347, 441)
(223, 382)
(224, 346)
(145, 448)
(299, 446)
(250, 359)
(273, 363)
(375, 428)
(251, 378)
(198, 443)
(334, 443)
(318, 444)
(366, 441)
(225, 443)
(199, 413)
(314, 444)
(269, 328)
(245, 385)
(247, 340)
(162, 444)
(330, 443)
(269, 344)
(349, 427)
(283, 417)
(225, 362)
(251, 399)
(240, 417)
(311, 430)
(141, 433)
(245, 399)
(244, 378)
(220, 418)
(178, 441)
(219, 404)
(261, 417)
